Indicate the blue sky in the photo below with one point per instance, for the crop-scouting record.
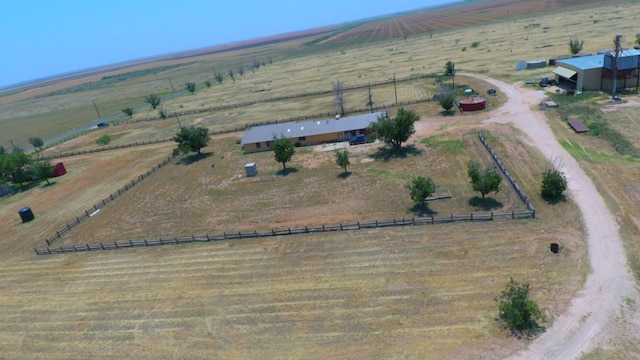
(42, 38)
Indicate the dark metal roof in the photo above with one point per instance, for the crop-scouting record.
(295, 129)
(577, 125)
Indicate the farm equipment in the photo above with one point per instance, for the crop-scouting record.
(544, 81)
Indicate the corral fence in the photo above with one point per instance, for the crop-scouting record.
(377, 224)
(90, 212)
(506, 173)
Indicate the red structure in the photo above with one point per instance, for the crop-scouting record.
(473, 104)
(59, 170)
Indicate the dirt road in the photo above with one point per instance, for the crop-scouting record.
(605, 311)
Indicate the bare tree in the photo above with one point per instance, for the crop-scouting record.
(370, 98)
(232, 75)
(575, 45)
(338, 94)
(240, 70)
(255, 64)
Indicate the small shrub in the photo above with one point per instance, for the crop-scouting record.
(464, 48)
(103, 140)
(475, 44)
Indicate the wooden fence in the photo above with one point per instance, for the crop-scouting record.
(228, 131)
(288, 231)
(506, 173)
(88, 213)
(280, 98)
(105, 148)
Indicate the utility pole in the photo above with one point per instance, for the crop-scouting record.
(395, 90)
(453, 77)
(96, 107)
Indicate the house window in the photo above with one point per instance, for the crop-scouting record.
(257, 145)
(302, 138)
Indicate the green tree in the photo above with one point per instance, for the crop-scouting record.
(218, 76)
(396, 130)
(207, 84)
(190, 87)
(128, 112)
(153, 100)
(554, 183)
(16, 167)
(103, 140)
(520, 314)
(283, 150)
(43, 170)
(575, 45)
(449, 68)
(37, 144)
(342, 159)
(191, 139)
(232, 75)
(420, 188)
(484, 180)
(638, 38)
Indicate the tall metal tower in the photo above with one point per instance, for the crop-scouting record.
(618, 42)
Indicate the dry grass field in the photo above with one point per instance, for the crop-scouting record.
(413, 292)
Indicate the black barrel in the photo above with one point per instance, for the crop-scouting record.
(26, 214)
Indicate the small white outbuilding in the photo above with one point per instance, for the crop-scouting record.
(251, 169)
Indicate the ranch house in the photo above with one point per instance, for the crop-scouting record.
(595, 72)
(310, 132)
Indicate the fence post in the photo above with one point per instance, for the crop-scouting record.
(513, 215)
(358, 225)
(88, 247)
(534, 213)
(101, 246)
(49, 249)
(471, 216)
(492, 215)
(340, 227)
(432, 219)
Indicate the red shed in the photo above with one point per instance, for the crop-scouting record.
(473, 104)
(59, 170)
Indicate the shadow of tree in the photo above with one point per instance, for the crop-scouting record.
(344, 175)
(555, 200)
(287, 171)
(447, 113)
(485, 204)
(46, 185)
(422, 209)
(386, 152)
(192, 158)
